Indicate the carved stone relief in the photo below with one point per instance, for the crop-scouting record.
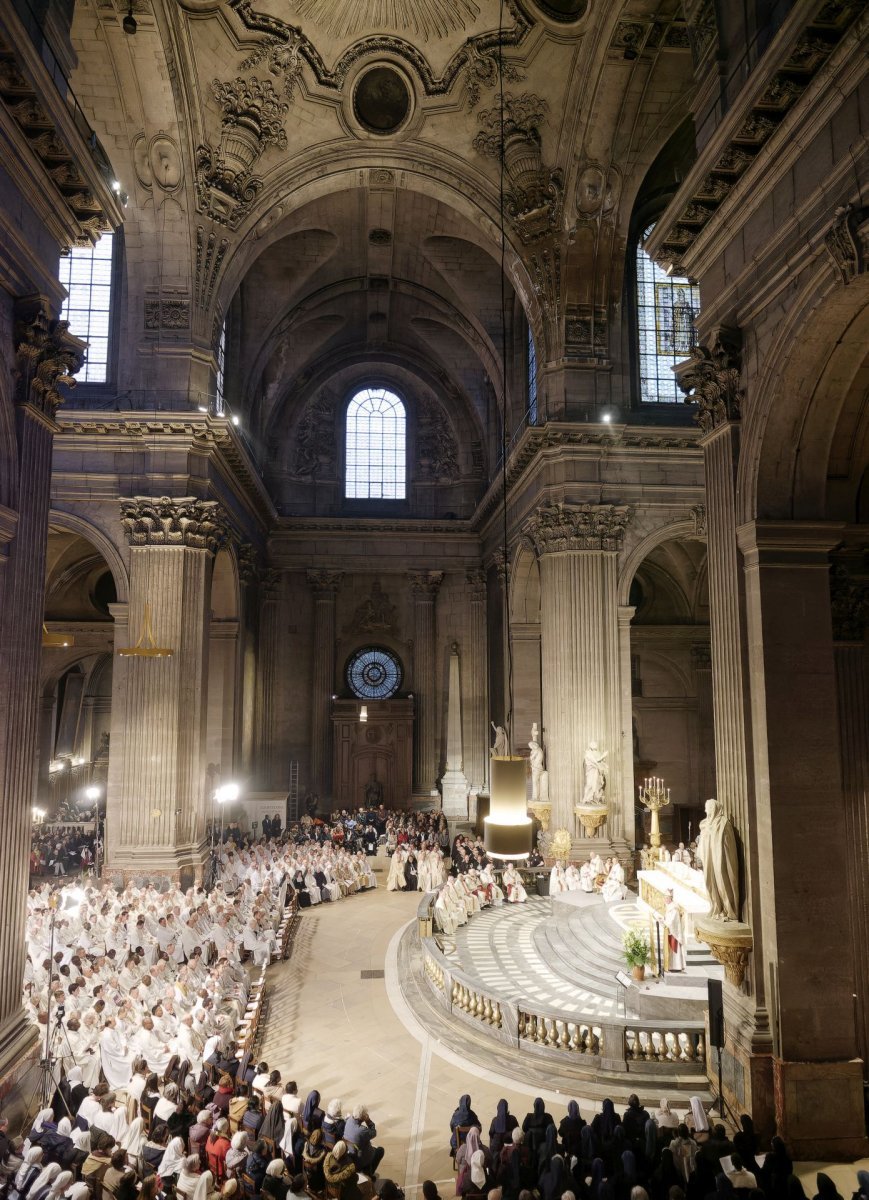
(252, 120)
(534, 200)
(375, 614)
(556, 528)
(163, 521)
(436, 449)
(844, 244)
(47, 356)
(315, 437)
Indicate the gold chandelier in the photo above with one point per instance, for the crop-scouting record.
(146, 646)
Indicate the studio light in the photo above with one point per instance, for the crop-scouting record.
(92, 793)
(507, 830)
(227, 792)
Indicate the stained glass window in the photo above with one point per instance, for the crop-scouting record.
(376, 446)
(373, 674)
(532, 379)
(221, 372)
(666, 308)
(86, 273)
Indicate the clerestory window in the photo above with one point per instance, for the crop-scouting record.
(376, 446)
(666, 308)
(86, 273)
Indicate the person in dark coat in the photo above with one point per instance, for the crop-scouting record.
(463, 1116)
(570, 1131)
(502, 1126)
(534, 1126)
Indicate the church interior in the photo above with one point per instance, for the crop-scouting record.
(457, 409)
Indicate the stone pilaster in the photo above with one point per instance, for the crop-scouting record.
(578, 546)
(850, 610)
(800, 829)
(45, 358)
(156, 804)
(324, 585)
(425, 586)
(701, 663)
(266, 756)
(476, 705)
(626, 708)
(454, 783)
(248, 705)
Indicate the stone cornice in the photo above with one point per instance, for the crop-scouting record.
(54, 131)
(163, 521)
(632, 441)
(559, 528)
(732, 173)
(132, 432)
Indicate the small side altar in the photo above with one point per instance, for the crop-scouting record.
(689, 892)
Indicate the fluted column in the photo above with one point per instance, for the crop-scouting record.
(850, 605)
(425, 586)
(266, 765)
(578, 546)
(476, 685)
(248, 702)
(626, 708)
(156, 804)
(324, 585)
(701, 662)
(45, 358)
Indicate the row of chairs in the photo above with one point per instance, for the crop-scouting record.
(287, 930)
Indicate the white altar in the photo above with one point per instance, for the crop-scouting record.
(689, 892)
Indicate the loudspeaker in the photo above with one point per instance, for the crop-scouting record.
(716, 1013)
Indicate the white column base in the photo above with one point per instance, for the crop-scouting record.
(454, 789)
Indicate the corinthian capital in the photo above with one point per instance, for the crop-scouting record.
(425, 584)
(710, 378)
(199, 524)
(555, 528)
(47, 356)
(324, 583)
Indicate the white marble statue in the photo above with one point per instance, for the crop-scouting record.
(501, 748)
(596, 771)
(717, 850)
(535, 761)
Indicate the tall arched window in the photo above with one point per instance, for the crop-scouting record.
(666, 308)
(376, 446)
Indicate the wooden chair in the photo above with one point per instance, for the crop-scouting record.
(248, 1187)
(461, 1132)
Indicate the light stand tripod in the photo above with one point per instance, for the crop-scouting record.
(48, 1078)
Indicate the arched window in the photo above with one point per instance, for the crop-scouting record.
(666, 308)
(376, 446)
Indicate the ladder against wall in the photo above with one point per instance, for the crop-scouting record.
(294, 800)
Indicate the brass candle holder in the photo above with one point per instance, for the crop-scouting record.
(654, 796)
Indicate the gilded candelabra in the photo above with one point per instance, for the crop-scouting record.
(654, 796)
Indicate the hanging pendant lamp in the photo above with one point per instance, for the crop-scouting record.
(146, 646)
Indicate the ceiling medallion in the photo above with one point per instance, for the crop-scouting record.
(426, 18)
(381, 100)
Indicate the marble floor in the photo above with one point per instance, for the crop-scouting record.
(335, 1024)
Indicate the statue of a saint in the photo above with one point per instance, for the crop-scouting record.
(535, 761)
(596, 770)
(717, 850)
(501, 748)
(373, 791)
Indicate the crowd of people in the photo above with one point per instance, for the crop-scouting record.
(638, 1155)
(606, 876)
(58, 850)
(232, 1129)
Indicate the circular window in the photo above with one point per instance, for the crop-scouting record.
(381, 100)
(373, 674)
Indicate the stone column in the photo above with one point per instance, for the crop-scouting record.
(850, 611)
(324, 585)
(626, 708)
(267, 767)
(46, 746)
(476, 697)
(711, 376)
(800, 827)
(454, 784)
(247, 709)
(46, 356)
(425, 586)
(578, 549)
(156, 804)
